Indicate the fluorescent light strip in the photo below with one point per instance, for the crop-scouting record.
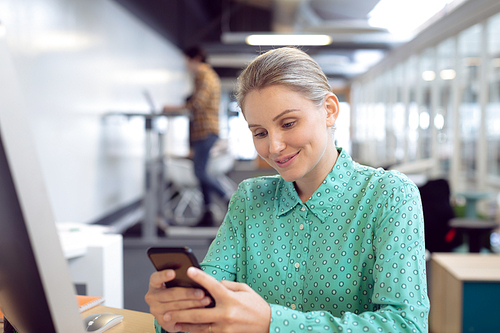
(283, 40)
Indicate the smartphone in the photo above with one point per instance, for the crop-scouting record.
(178, 259)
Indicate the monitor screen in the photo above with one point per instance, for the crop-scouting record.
(36, 292)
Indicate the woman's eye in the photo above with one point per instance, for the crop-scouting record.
(290, 124)
(259, 134)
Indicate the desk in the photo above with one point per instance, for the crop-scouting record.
(133, 321)
(154, 169)
(465, 292)
(95, 259)
(475, 229)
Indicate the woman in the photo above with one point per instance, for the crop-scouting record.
(326, 245)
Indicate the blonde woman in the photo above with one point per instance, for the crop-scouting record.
(327, 245)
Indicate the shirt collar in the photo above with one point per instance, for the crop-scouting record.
(323, 201)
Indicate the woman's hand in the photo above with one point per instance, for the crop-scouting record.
(238, 308)
(162, 300)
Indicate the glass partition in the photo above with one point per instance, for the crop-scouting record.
(427, 76)
(411, 68)
(398, 115)
(469, 48)
(444, 115)
(493, 106)
(440, 98)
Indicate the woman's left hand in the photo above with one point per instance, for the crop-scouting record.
(238, 308)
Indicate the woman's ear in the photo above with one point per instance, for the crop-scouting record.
(332, 109)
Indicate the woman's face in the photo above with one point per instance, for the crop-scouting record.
(291, 133)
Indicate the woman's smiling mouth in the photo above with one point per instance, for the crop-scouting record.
(285, 161)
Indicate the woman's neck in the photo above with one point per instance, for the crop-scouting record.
(306, 186)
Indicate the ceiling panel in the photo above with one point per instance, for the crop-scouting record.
(221, 26)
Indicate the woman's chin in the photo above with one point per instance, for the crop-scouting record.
(288, 176)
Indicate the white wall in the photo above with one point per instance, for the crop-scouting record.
(76, 61)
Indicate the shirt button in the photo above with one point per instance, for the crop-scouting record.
(303, 209)
(293, 306)
(297, 265)
(301, 226)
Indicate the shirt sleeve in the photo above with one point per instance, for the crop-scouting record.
(222, 256)
(400, 284)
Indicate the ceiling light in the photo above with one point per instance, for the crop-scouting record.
(447, 74)
(439, 121)
(403, 18)
(284, 40)
(428, 75)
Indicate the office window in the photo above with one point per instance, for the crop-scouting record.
(343, 127)
(443, 119)
(239, 136)
(493, 107)
(427, 76)
(411, 71)
(469, 110)
(398, 111)
(380, 116)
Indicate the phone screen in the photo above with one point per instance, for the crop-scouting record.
(178, 259)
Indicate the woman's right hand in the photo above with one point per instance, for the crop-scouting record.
(162, 299)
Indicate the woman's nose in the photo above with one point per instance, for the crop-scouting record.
(276, 143)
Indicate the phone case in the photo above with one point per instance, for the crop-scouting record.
(178, 259)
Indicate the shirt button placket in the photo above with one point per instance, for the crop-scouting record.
(296, 256)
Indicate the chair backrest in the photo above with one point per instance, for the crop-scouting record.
(438, 212)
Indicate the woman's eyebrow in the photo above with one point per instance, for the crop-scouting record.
(283, 113)
(275, 118)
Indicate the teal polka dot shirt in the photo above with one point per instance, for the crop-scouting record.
(349, 259)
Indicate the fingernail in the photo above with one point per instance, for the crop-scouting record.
(198, 293)
(166, 317)
(192, 270)
(205, 301)
(177, 328)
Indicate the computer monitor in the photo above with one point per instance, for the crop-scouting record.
(36, 292)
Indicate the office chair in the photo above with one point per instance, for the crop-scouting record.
(439, 236)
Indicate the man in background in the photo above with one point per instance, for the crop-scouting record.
(203, 105)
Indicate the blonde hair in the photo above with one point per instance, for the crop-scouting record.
(286, 66)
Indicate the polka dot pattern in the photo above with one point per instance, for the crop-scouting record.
(349, 259)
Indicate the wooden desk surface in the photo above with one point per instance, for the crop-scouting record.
(470, 266)
(133, 321)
